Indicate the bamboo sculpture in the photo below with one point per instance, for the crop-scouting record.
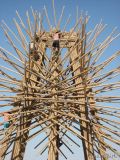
(74, 92)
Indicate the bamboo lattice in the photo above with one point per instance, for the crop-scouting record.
(74, 93)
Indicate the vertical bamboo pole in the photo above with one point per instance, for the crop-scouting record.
(21, 137)
(54, 133)
(85, 131)
(20, 143)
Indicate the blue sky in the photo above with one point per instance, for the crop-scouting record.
(108, 10)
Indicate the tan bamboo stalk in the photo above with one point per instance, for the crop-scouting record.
(54, 12)
(48, 21)
(61, 16)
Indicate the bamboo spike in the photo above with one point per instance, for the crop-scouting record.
(20, 19)
(61, 16)
(10, 30)
(29, 24)
(4, 50)
(28, 31)
(47, 18)
(12, 63)
(105, 46)
(67, 22)
(19, 53)
(21, 35)
(77, 13)
(54, 12)
(11, 70)
(108, 146)
(41, 141)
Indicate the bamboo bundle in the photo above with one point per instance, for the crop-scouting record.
(75, 92)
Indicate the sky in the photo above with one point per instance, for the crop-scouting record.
(107, 10)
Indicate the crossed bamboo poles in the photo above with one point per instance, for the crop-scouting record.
(92, 96)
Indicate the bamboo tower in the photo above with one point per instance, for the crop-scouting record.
(73, 93)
